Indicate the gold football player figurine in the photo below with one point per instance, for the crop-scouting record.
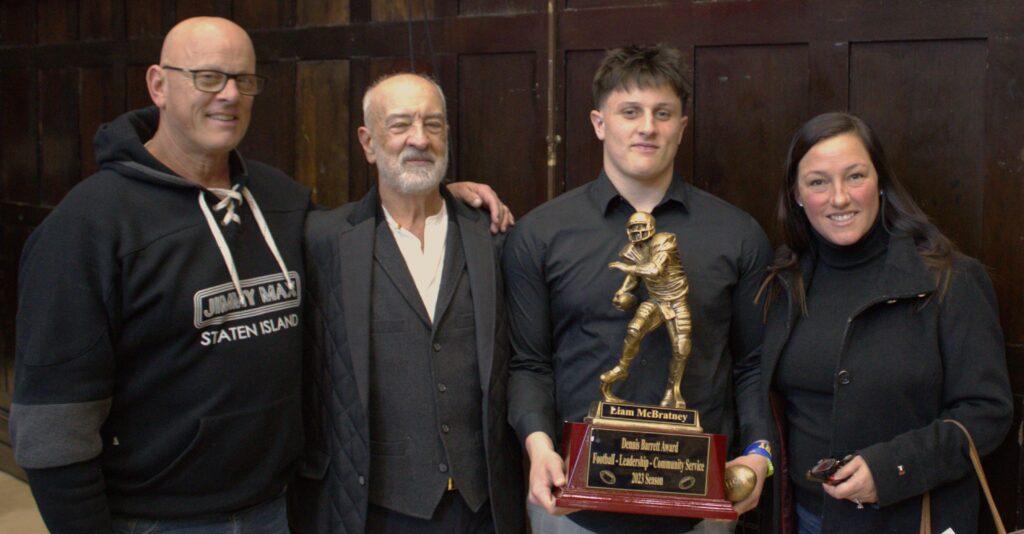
(653, 257)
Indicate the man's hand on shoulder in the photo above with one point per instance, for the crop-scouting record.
(481, 195)
(547, 472)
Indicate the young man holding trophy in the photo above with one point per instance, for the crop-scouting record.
(572, 347)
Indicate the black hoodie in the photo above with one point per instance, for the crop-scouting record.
(159, 341)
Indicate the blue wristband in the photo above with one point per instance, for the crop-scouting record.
(761, 447)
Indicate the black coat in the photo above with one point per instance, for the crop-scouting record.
(330, 493)
(909, 360)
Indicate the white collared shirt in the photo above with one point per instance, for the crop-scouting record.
(426, 262)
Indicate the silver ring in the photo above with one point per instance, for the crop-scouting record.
(860, 505)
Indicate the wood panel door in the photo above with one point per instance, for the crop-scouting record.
(941, 82)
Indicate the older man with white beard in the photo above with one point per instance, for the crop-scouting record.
(406, 422)
(385, 143)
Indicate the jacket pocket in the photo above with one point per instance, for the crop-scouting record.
(251, 448)
(314, 464)
(464, 320)
(388, 326)
(388, 448)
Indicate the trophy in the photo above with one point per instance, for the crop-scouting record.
(640, 459)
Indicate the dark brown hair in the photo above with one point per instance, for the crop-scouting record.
(899, 212)
(641, 67)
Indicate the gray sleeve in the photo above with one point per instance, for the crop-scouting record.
(52, 435)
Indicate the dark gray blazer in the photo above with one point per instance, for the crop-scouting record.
(329, 495)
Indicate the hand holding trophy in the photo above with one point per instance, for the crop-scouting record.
(651, 459)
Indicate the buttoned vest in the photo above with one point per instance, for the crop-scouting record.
(425, 390)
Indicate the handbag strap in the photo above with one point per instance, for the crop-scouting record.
(926, 513)
(976, 460)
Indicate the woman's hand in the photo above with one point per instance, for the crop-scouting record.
(857, 483)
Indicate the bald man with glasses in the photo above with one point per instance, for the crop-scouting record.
(159, 345)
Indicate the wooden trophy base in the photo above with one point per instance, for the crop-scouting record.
(645, 460)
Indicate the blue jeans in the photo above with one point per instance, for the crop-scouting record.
(807, 522)
(267, 518)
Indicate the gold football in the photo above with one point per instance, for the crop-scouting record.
(624, 301)
(739, 482)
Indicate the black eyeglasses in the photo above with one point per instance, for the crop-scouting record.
(214, 81)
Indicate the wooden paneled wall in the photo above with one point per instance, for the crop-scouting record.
(941, 81)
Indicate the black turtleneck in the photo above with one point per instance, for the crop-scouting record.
(806, 371)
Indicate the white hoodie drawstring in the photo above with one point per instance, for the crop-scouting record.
(229, 199)
(269, 239)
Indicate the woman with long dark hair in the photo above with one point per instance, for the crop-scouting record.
(877, 330)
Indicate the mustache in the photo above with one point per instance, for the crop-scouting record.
(413, 153)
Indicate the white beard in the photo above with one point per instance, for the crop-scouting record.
(411, 181)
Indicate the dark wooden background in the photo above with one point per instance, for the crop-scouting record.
(942, 81)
